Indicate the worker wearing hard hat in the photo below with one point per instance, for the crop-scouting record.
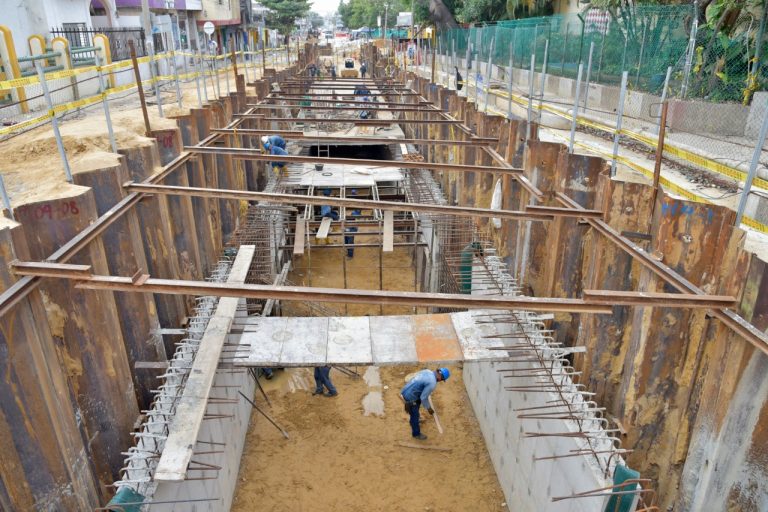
(273, 140)
(416, 393)
(275, 145)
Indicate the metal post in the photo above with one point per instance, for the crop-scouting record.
(589, 72)
(176, 78)
(691, 50)
(575, 112)
(752, 169)
(664, 92)
(619, 116)
(202, 72)
(543, 75)
(155, 81)
(245, 63)
(489, 72)
(530, 97)
(142, 100)
(509, 103)
(54, 120)
(105, 104)
(6, 199)
(197, 84)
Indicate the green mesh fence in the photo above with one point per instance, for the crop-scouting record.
(644, 41)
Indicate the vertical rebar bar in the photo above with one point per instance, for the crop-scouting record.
(176, 79)
(619, 116)
(142, 99)
(54, 120)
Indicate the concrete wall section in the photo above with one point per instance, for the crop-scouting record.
(528, 485)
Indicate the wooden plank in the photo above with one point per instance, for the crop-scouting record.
(389, 236)
(190, 410)
(305, 341)
(349, 341)
(392, 340)
(298, 245)
(325, 226)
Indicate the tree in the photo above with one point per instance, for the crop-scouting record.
(283, 13)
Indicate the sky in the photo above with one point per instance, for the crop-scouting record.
(325, 6)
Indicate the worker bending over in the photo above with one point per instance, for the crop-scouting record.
(275, 145)
(416, 393)
(273, 140)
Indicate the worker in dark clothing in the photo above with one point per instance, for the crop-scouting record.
(333, 71)
(459, 80)
(416, 393)
(323, 380)
(363, 69)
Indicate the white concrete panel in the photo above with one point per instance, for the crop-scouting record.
(392, 340)
(473, 337)
(305, 341)
(264, 347)
(349, 340)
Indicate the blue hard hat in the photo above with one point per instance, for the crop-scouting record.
(326, 192)
(444, 372)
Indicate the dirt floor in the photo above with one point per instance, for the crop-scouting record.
(337, 458)
(325, 267)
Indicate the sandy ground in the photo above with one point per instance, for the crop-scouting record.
(325, 268)
(339, 459)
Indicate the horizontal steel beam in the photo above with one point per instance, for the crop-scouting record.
(297, 135)
(619, 298)
(375, 107)
(255, 154)
(242, 195)
(360, 122)
(301, 293)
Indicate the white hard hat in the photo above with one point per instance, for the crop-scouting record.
(264, 139)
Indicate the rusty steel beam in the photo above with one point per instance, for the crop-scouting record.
(564, 212)
(297, 135)
(360, 122)
(243, 195)
(317, 95)
(251, 154)
(731, 319)
(622, 298)
(297, 102)
(375, 107)
(146, 284)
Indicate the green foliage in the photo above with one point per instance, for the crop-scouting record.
(362, 13)
(283, 13)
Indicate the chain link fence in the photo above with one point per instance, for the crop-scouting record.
(711, 78)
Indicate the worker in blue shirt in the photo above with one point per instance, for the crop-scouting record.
(277, 167)
(272, 140)
(416, 393)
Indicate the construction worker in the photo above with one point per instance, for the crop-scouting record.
(416, 393)
(459, 79)
(349, 237)
(277, 167)
(273, 140)
(323, 379)
(363, 69)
